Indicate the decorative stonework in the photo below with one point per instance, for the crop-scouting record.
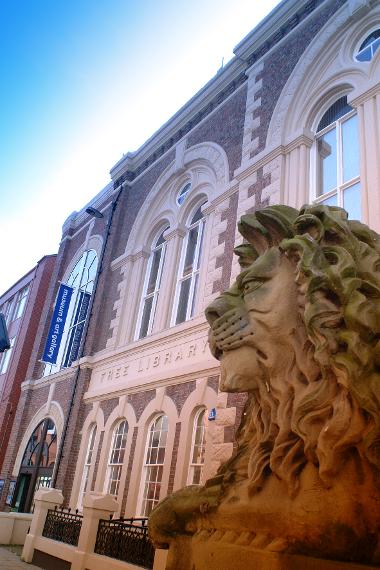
(299, 332)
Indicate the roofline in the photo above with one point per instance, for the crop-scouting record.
(23, 278)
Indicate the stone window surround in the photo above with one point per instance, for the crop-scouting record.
(325, 73)
(202, 396)
(205, 166)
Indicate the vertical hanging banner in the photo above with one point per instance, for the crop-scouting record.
(57, 324)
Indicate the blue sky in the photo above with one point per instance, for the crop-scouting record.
(84, 81)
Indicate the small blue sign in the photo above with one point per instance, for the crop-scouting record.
(57, 324)
(212, 414)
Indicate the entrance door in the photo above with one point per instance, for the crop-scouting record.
(21, 493)
(37, 465)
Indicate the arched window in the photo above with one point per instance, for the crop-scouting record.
(337, 159)
(154, 464)
(188, 275)
(116, 458)
(87, 465)
(37, 465)
(82, 279)
(198, 448)
(151, 287)
(369, 47)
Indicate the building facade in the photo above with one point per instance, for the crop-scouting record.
(22, 306)
(293, 118)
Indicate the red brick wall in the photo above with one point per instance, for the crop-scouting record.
(140, 400)
(108, 406)
(173, 463)
(280, 63)
(179, 393)
(225, 127)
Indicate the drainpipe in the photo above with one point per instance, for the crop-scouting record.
(84, 337)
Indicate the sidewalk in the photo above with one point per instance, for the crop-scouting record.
(10, 561)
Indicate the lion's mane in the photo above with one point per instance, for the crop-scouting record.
(337, 271)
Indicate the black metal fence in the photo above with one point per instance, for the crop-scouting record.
(127, 540)
(63, 525)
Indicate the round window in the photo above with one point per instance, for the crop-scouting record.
(183, 193)
(369, 47)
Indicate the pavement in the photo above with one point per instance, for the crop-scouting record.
(10, 561)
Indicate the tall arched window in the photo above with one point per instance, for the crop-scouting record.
(198, 448)
(188, 275)
(151, 287)
(154, 464)
(87, 465)
(337, 159)
(116, 458)
(82, 279)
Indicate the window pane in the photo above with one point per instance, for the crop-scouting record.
(146, 316)
(154, 271)
(196, 279)
(190, 250)
(350, 145)
(183, 301)
(197, 216)
(332, 201)
(328, 162)
(352, 202)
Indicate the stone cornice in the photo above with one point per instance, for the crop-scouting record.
(273, 28)
(363, 97)
(63, 374)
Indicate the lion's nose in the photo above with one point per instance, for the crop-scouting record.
(215, 310)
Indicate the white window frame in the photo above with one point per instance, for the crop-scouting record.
(6, 356)
(20, 304)
(193, 465)
(155, 293)
(190, 309)
(8, 309)
(87, 464)
(113, 464)
(141, 509)
(315, 173)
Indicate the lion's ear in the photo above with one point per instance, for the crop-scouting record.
(251, 229)
(278, 220)
(268, 227)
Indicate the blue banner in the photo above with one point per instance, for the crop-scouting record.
(57, 324)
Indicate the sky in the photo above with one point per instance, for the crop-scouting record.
(84, 82)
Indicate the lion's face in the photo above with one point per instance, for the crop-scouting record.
(254, 323)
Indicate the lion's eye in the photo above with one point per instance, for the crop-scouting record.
(252, 286)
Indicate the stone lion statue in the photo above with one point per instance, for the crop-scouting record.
(299, 331)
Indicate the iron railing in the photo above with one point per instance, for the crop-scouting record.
(127, 540)
(63, 525)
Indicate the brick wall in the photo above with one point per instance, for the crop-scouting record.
(179, 393)
(225, 127)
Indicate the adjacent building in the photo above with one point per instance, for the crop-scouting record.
(22, 306)
(293, 118)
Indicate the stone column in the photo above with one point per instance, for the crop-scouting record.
(44, 500)
(368, 108)
(96, 506)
